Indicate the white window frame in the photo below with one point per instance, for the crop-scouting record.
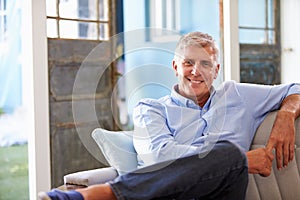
(102, 27)
(231, 54)
(36, 78)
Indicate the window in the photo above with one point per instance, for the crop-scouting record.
(78, 19)
(162, 15)
(3, 21)
(260, 45)
(257, 21)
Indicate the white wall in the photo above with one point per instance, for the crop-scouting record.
(290, 31)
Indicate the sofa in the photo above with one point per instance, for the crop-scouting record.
(118, 150)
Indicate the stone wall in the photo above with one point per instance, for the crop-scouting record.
(68, 153)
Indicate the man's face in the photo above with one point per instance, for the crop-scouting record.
(196, 69)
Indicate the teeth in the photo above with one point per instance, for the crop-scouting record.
(193, 81)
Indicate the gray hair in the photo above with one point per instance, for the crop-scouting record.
(198, 39)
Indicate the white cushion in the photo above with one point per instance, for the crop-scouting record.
(117, 148)
(90, 177)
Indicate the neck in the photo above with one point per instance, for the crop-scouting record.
(201, 101)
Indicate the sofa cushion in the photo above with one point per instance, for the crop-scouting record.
(117, 148)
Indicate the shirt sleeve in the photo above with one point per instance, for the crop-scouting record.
(261, 99)
(152, 139)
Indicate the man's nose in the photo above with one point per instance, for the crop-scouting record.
(195, 71)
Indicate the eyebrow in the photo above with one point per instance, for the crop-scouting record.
(191, 59)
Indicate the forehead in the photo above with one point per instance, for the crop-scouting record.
(195, 52)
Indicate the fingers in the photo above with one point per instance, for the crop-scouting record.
(285, 152)
(292, 152)
(270, 156)
(266, 171)
(279, 156)
(270, 145)
(284, 155)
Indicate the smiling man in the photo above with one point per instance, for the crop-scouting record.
(196, 65)
(194, 143)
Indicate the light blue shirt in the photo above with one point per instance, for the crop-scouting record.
(174, 126)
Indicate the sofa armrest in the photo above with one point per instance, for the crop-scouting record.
(89, 177)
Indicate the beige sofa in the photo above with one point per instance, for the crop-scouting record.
(284, 184)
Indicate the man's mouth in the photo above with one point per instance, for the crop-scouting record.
(195, 81)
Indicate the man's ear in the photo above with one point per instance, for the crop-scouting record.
(174, 65)
(217, 71)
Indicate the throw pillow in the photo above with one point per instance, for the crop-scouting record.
(117, 148)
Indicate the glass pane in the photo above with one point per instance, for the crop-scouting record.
(68, 9)
(247, 16)
(271, 14)
(68, 29)
(272, 36)
(52, 28)
(103, 10)
(75, 9)
(103, 31)
(75, 30)
(256, 36)
(92, 5)
(171, 15)
(2, 4)
(2, 29)
(87, 9)
(51, 8)
(88, 30)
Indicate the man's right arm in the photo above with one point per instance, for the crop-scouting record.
(152, 138)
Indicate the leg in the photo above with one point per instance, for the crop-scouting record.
(221, 174)
(94, 192)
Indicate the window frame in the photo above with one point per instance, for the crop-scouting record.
(96, 21)
(268, 31)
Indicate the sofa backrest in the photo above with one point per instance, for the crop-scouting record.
(284, 184)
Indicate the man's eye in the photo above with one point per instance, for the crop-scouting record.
(188, 63)
(206, 64)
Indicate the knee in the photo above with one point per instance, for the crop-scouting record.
(231, 152)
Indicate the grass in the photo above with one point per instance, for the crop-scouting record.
(1, 111)
(14, 173)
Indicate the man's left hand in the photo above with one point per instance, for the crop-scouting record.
(282, 138)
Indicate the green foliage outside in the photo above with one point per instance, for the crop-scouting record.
(14, 173)
(1, 111)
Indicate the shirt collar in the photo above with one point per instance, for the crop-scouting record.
(186, 102)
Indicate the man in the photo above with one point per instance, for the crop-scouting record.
(193, 144)
(234, 111)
